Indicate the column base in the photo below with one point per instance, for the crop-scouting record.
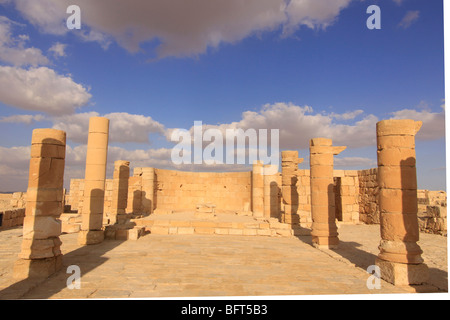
(90, 237)
(36, 269)
(401, 274)
(325, 242)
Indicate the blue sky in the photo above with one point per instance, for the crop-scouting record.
(309, 68)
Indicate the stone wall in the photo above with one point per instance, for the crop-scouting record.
(177, 190)
(432, 211)
(347, 196)
(15, 200)
(356, 195)
(369, 211)
(11, 218)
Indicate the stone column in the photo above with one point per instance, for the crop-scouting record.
(41, 256)
(94, 183)
(271, 191)
(289, 178)
(400, 259)
(120, 189)
(258, 189)
(148, 190)
(324, 229)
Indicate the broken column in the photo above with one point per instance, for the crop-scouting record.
(400, 258)
(148, 190)
(41, 256)
(289, 178)
(120, 189)
(94, 183)
(258, 189)
(324, 229)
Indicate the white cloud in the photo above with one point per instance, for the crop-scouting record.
(184, 28)
(298, 125)
(409, 19)
(14, 163)
(314, 13)
(124, 127)
(13, 50)
(433, 123)
(41, 89)
(347, 116)
(58, 50)
(22, 118)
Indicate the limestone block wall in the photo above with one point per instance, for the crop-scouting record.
(346, 191)
(16, 200)
(304, 197)
(74, 197)
(108, 200)
(432, 211)
(346, 185)
(177, 190)
(369, 211)
(11, 218)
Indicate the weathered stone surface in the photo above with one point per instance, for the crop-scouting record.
(401, 274)
(94, 186)
(324, 229)
(400, 256)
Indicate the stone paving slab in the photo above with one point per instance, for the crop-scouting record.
(214, 265)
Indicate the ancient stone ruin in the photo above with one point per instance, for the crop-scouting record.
(260, 202)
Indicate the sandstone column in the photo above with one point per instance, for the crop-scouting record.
(40, 256)
(120, 189)
(271, 190)
(148, 190)
(258, 189)
(400, 257)
(94, 183)
(324, 229)
(289, 178)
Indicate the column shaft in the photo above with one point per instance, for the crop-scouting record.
(324, 229)
(94, 183)
(400, 257)
(41, 255)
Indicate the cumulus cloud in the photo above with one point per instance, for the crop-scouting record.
(22, 118)
(182, 28)
(58, 50)
(409, 19)
(124, 127)
(13, 49)
(41, 89)
(297, 125)
(14, 163)
(433, 122)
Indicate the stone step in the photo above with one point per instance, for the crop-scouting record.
(256, 228)
(120, 232)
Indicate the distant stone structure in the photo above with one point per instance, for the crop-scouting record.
(260, 202)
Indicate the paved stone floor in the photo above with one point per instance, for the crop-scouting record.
(211, 266)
